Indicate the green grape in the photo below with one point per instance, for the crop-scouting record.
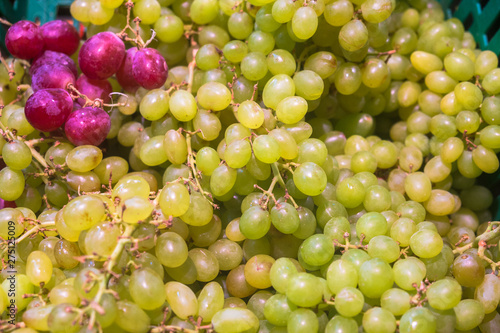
(417, 319)
(131, 318)
(404, 40)
(146, 288)
(418, 186)
(402, 230)
(175, 147)
(281, 62)
(284, 10)
(444, 294)
(257, 271)
(203, 11)
(214, 96)
(254, 66)
(237, 155)
(467, 166)
(302, 320)
(304, 22)
(83, 212)
(250, 114)
(65, 253)
(240, 25)
(395, 300)
(222, 180)
(341, 274)
(310, 179)
(129, 186)
(136, 210)
(228, 253)
(255, 222)
(386, 153)
(338, 13)
(426, 243)
(353, 35)
(350, 192)
(485, 62)
(408, 93)
(440, 203)
(174, 199)
(181, 299)
(260, 41)
(408, 273)
(375, 277)
(16, 155)
(285, 218)
(148, 11)
(22, 285)
(468, 269)
(341, 324)
(308, 84)
(210, 301)
(468, 95)
(379, 320)
(410, 158)
(13, 184)
(171, 249)
(383, 247)
(349, 302)
(169, 28)
(38, 268)
(112, 169)
(489, 82)
(469, 314)
(102, 238)
(207, 160)
(265, 20)
(487, 293)
(235, 320)
(154, 105)
(485, 159)
(374, 73)
(61, 319)
(277, 89)
(304, 290)
(99, 15)
(459, 66)
(281, 272)
(375, 11)
(266, 149)
(182, 105)
(490, 109)
(317, 250)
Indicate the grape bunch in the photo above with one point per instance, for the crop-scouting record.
(249, 166)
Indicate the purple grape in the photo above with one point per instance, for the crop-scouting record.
(149, 68)
(60, 36)
(87, 126)
(101, 55)
(47, 109)
(124, 74)
(53, 57)
(52, 75)
(24, 40)
(93, 89)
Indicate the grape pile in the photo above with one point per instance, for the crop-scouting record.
(248, 166)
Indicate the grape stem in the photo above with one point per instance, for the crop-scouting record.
(10, 69)
(486, 236)
(277, 174)
(108, 267)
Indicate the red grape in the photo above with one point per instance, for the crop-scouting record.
(60, 36)
(149, 68)
(53, 57)
(101, 55)
(93, 89)
(87, 126)
(124, 74)
(24, 40)
(47, 109)
(52, 75)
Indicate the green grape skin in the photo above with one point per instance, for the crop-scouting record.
(237, 154)
(23, 286)
(444, 294)
(169, 28)
(254, 66)
(426, 243)
(485, 159)
(469, 314)
(341, 324)
(408, 272)
(171, 249)
(310, 179)
(266, 149)
(154, 105)
(395, 300)
(13, 184)
(146, 289)
(285, 218)
(281, 62)
(349, 302)
(277, 89)
(281, 272)
(288, 147)
(210, 301)
(83, 212)
(207, 160)
(291, 110)
(250, 114)
(459, 66)
(181, 299)
(182, 105)
(16, 155)
(353, 35)
(255, 222)
(304, 290)
(485, 62)
(375, 277)
(228, 253)
(308, 84)
(235, 320)
(131, 317)
(486, 293)
(384, 247)
(341, 274)
(304, 22)
(214, 96)
(257, 271)
(379, 320)
(317, 250)
(418, 319)
(302, 320)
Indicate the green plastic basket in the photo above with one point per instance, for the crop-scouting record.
(480, 17)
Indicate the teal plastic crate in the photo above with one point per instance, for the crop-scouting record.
(33, 10)
(480, 17)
